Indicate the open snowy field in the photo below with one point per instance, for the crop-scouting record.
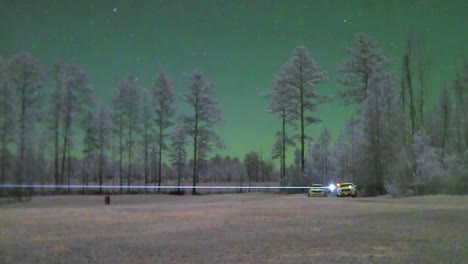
(235, 228)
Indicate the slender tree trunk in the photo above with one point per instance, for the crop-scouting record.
(146, 156)
(179, 175)
(4, 153)
(129, 172)
(69, 167)
(421, 100)
(445, 116)
(195, 148)
(101, 161)
(283, 147)
(56, 146)
(458, 129)
(465, 121)
(83, 175)
(301, 88)
(160, 153)
(121, 154)
(407, 72)
(22, 137)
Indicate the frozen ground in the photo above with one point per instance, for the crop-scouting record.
(235, 228)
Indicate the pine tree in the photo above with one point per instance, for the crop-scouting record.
(163, 97)
(178, 153)
(355, 72)
(282, 107)
(199, 125)
(24, 74)
(76, 93)
(7, 119)
(301, 75)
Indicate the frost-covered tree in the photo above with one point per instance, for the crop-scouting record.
(163, 98)
(178, 152)
(353, 148)
(428, 160)
(416, 63)
(381, 129)
(117, 116)
(130, 92)
(252, 166)
(320, 157)
(147, 127)
(341, 156)
(89, 149)
(25, 76)
(205, 114)
(56, 101)
(445, 108)
(7, 119)
(75, 95)
(461, 102)
(281, 106)
(302, 75)
(355, 72)
(103, 134)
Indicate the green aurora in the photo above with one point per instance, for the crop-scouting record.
(239, 44)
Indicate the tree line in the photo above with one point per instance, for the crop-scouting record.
(393, 142)
(53, 129)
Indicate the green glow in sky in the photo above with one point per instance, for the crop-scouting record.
(240, 45)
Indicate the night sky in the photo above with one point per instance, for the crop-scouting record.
(240, 45)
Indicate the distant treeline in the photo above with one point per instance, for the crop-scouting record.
(53, 129)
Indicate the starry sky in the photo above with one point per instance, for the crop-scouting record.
(239, 44)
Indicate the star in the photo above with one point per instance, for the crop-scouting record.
(114, 10)
(345, 21)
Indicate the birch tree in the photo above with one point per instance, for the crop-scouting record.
(163, 97)
(199, 125)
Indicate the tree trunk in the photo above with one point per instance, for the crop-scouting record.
(69, 168)
(101, 165)
(301, 88)
(22, 136)
(4, 153)
(160, 153)
(195, 148)
(179, 175)
(129, 172)
(146, 157)
(56, 147)
(121, 153)
(283, 151)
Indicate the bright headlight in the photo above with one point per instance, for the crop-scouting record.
(331, 187)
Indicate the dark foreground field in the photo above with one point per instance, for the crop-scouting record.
(235, 228)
